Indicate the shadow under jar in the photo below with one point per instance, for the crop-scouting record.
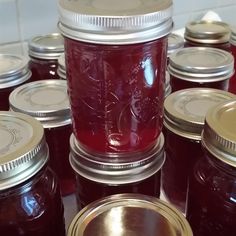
(211, 207)
(98, 177)
(14, 72)
(215, 34)
(47, 101)
(44, 51)
(30, 200)
(200, 67)
(129, 214)
(116, 61)
(184, 114)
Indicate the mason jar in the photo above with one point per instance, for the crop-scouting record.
(232, 82)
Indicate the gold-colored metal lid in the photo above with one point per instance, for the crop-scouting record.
(219, 134)
(207, 32)
(131, 215)
(23, 149)
(185, 110)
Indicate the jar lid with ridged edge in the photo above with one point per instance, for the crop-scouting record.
(233, 35)
(219, 133)
(13, 70)
(201, 64)
(115, 22)
(45, 100)
(207, 32)
(23, 149)
(175, 42)
(61, 70)
(185, 110)
(129, 214)
(117, 168)
(48, 47)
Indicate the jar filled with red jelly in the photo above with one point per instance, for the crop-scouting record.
(47, 101)
(129, 214)
(44, 51)
(184, 114)
(30, 201)
(97, 177)
(211, 207)
(116, 60)
(14, 71)
(61, 70)
(204, 33)
(232, 82)
(200, 67)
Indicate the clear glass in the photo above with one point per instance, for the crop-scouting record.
(232, 82)
(33, 208)
(116, 94)
(59, 148)
(43, 69)
(211, 207)
(181, 155)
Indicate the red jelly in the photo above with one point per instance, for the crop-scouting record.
(200, 67)
(232, 82)
(203, 33)
(14, 71)
(30, 201)
(211, 207)
(133, 173)
(184, 114)
(116, 60)
(129, 214)
(47, 101)
(44, 52)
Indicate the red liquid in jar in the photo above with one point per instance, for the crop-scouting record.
(181, 154)
(178, 84)
(116, 94)
(4, 95)
(88, 191)
(232, 82)
(33, 208)
(43, 69)
(58, 142)
(211, 204)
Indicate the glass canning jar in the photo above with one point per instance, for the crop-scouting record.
(30, 201)
(14, 71)
(211, 207)
(116, 60)
(44, 51)
(184, 114)
(47, 101)
(200, 67)
(61, 70)
(232, 82)
(97, 177)
(203, 33)
(129, 214)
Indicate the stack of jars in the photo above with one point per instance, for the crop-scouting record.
(115, 57)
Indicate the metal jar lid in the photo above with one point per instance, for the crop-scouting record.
(115, 22)
(233, 36)
(23, 149)
(117, 168)
(129, 214)
(45, 100)
(208, 32)
(201, 64)
(219, 134)
(175, 42)
(185, 110)
(13, 70)
(61, 70)
(48, 47)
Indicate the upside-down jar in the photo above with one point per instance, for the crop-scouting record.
(200, 67)
(97, 177)
(129, 214)
(116, 60)
(204, 33)
(47, 101)
(44, 51)
(30, 200)
(14, 71)
(232, 82)
(184, 114)
(211, 207)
